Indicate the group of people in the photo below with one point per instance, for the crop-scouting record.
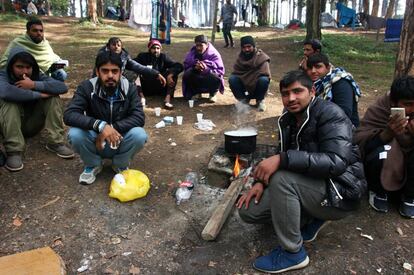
(327, 156)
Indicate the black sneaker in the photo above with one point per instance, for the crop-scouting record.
(14, 162)
(407, 207)
(61, 150)
(310, 231)
(378, 201)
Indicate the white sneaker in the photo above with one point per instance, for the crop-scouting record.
(261, 106)
(213, 98)
(88, 175)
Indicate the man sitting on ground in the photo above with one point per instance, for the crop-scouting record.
(316, 177)
(251, 76)
(335, 84)
(29, 102)
(204, 70)
(34, 42)
(310, 46)
(387, 143)
(106, 119)
(161, 62)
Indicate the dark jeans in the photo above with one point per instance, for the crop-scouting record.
(373, 166)
(198, 83)
(239, 90)
(152, 86)
(227, 34)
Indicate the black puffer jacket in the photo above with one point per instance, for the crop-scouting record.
(88, 106)
(325, 150)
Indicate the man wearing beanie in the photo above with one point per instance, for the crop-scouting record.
(169, 68)
(203, 70)
(251, 74)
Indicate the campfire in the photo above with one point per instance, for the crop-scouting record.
(236, 169)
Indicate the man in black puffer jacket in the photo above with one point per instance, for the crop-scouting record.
(316, 177)
(106, 119)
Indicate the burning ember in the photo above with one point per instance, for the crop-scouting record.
(236, 169)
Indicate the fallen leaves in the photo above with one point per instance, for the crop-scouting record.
(17, 221)
(134, 270)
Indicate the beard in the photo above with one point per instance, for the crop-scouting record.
(37, 39)
(247, 55)
(110, 87)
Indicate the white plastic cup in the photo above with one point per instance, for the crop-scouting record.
(157, 111)
(160, 124)
(143, 102)
(199, 117)
(179, 120)
(191, 103)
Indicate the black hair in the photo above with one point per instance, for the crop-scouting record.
(293, 76)
(108, 57)
(317, 58)
(402, 88)
(33, 21)
(113, 40)
(26, 58)
(315, 43)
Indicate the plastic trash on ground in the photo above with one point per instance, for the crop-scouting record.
(204, 125)
(129, 185)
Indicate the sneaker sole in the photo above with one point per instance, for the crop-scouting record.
(300, 265)
(14, 169)
(90, 182)
(404, 215)
(317, 232)
(60, 155)
(371, 203)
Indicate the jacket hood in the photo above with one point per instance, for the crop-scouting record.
(14, 54)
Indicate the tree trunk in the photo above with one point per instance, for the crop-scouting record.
(323, 5)
(365, 3)
(100, 8)
(390, 9)
(263, 8)
(375, 7)
(384, 8)
(81, 8)
(359, 5)
(313, 19)
(405, 58)
(396, 7)
(301, 3)
(92, 15)
(215, 14)
(48, 8)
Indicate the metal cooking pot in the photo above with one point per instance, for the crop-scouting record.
(242, 141)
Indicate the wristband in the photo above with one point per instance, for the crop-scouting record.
(101, 126)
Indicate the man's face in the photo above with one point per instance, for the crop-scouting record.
(408, 105)
(155, 50)
(201, 47)
(20, 68)
(116, 47)
(296, 97)
(308, 50)
(36, 33)
(109, 75)
(318, 70)
(247, 48)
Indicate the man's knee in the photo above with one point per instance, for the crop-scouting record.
(138, 136)
(77, 136)
(247, 215)
(9, 108)
(234, 80)
(263, 80)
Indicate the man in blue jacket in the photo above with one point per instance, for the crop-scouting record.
(29, 102)
(317, 175)
(106, 119)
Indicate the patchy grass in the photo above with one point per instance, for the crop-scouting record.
(12, 17)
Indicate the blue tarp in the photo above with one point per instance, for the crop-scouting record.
(393, 30)
(347, 16)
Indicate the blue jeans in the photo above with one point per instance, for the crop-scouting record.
(59, 74)
(238, 89)
(83, 143)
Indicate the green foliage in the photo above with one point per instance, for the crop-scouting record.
(12, 17)
(59, 7)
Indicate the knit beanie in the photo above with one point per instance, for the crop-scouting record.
(201, 39)
(247, 40)
(154, 42)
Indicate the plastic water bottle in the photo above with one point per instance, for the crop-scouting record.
(185, 189)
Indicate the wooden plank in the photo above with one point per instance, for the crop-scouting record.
(220, 214)
(34, 262)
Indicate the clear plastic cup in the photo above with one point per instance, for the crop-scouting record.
(179, 120)
(157, 111)
(199, 117)
(160, 124)
(191, 103)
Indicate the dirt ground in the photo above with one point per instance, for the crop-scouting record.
(44, 205)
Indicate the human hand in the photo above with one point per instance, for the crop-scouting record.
(266, 168)
(162, 80)
(256, 192)
(170, 80)
(110, 135)
(397, 125)
(26, 83)
(197, 66)
(45, 95)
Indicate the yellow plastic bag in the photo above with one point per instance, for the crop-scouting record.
(129, 185)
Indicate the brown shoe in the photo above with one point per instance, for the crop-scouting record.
(61, 150)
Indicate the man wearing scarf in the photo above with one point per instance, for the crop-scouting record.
(251, 74)
(334, 84)
(203, 70)
(161, 62)
(34, 42)
(387, 145)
